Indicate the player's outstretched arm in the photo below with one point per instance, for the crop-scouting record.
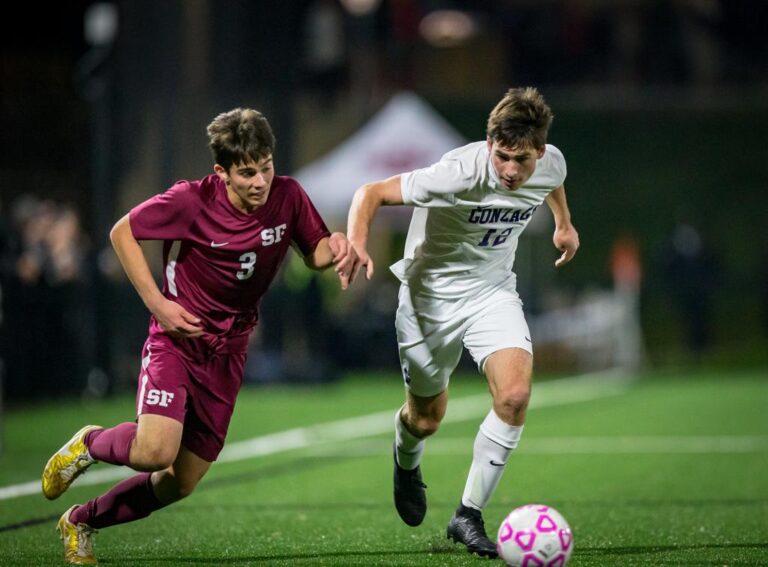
(335, 251)
(173, 318)
(365, 203)
(565, 239)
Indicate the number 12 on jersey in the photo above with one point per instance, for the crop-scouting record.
(501, 238)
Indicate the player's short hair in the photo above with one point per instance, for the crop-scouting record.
(520, 119)
(240, 136)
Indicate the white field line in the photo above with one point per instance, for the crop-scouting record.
(725, 444)
(557, 392)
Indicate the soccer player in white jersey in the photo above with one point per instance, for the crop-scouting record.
(458, 287)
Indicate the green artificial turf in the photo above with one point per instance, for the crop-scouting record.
(673, 470)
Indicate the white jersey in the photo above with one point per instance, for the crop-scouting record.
(464, 230)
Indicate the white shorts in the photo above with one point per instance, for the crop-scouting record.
(430, 334)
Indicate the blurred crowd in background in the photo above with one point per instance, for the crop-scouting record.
(46, 331)
(660, 108)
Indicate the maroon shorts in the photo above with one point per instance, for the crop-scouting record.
(194, 386)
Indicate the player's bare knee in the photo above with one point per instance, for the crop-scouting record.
(150, 459)
(145, 463)
(422, 416)
(512, 401)
(423, 426)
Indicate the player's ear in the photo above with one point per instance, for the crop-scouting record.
(540, 152)
(221, 172)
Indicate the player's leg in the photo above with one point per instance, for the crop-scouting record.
(149, 446)
(509, 373)
(499, 340)
(509, 379)
(161, 392)
(144, 493)
(156, 442)
(429, 342)
(180, 479)
(140, 495)
(181, 431)
(414, 422)
(130, 500)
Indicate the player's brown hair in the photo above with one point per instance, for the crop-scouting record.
(239, 136)
(520, 119)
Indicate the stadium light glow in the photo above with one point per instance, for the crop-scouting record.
(448, 28)
(360, 7)
(100, 23)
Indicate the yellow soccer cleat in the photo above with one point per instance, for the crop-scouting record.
(78, 547)
(67, 464)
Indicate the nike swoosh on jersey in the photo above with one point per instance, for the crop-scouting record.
(495, 464)
(218, 244)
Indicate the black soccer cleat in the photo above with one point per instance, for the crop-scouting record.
(467, 527)
(410, 494)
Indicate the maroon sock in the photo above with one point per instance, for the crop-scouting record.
(129, 500)
(112, 445)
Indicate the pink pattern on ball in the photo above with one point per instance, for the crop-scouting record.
(525, 539)
(530, 560)
(545, 524)
(558, 561)
(505, 533)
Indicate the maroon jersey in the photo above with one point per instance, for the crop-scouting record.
(218, 260)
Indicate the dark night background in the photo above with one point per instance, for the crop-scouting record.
(661, 111)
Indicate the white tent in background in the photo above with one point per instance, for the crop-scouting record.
(406, 134)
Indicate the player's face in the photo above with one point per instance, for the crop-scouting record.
(248, 184)
(514, 166)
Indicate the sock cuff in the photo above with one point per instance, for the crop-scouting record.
(500, 432)
(151, 495)
(408, 449)
(402, 430)
(91, 436)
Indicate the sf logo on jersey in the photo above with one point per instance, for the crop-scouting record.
(269, 236)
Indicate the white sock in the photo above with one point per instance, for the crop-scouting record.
(409, 448)
(493, 444)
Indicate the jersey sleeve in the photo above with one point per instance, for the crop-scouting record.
(310, 228)
(559, 169)
(436, 185)
(167, 216)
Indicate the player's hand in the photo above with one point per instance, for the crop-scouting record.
(344, 258)
(565, 239)
(363, 261)
(177, 321)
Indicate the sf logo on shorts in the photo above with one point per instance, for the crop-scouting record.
(159, 398)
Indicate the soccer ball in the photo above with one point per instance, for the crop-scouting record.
(535, 535)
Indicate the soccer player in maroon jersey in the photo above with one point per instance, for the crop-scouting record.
(224, 239)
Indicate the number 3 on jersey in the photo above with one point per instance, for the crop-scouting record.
(248, 264)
